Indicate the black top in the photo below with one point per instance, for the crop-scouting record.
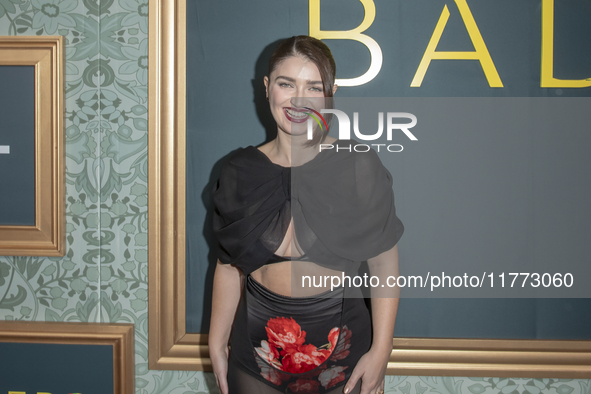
(342, 205)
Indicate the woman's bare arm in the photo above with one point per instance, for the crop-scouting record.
(227, 283)
(371, 368)
(226, 294)
(384, 300)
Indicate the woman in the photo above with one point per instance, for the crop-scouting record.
(286, 209)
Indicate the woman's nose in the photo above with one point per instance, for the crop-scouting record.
(298, 100)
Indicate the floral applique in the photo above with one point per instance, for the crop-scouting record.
(331, 376)
(304, 386)
(342, 347)
(285, 350)
(283, 332)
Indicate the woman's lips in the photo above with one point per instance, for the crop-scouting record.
(296, 115)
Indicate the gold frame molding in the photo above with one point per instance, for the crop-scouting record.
(171, 347)
(120, 336)
(47, 236)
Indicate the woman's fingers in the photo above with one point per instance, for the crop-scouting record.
(222, 382)
(368, 387)
(220, 370)
(352, 381)
(222, 385)
(380, 389)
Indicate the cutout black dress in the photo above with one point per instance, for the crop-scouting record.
(342, 205)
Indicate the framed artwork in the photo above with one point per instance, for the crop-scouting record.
(32, 221)
(51, 353)
(174, 346)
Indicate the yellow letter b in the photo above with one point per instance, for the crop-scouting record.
(354, 34)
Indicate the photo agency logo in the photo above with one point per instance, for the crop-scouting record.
(396, 122)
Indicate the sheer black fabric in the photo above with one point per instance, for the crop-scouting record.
(343, 207)
(252, 209)
(341, 202)
(296, 345)
(343, 212)
(241, 382)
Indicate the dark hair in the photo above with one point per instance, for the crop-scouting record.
(318, 53)
(312, 49)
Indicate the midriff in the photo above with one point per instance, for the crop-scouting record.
(278, 277)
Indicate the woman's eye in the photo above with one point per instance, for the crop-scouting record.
(284, 85)
(316, 89)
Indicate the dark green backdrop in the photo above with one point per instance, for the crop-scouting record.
(56, 368)
(228, 45)
(17, 169)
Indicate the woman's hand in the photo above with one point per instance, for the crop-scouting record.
(219, 362)
(371, 369)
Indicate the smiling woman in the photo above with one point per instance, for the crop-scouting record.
(178, 339)
(274, 224)
(308, 72)
(293, 86)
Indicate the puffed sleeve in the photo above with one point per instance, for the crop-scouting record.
(250, 210)
(346, 206)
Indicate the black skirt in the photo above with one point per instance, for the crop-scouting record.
(284, 344)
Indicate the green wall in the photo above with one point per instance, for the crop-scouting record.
(104, 278)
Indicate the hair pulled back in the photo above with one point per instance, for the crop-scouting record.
(312, 49)
(317, 52)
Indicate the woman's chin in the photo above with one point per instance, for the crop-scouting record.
(295, 130)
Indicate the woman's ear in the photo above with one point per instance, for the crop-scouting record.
(334, 88)
(266, 82)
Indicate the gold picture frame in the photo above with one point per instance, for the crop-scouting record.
(119, 336)
(172, 348)
(47, 236)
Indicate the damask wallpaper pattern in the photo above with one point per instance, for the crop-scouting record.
(103, 277)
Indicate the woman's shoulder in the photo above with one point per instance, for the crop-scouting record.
(243, 157)
(247, 164)
(241, 153)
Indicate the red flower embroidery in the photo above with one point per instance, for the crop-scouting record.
(303, 358)
(331, 376)
(297, 357)
(283, 332)
(304, 386)
(269, 354)
(333, 336)
(342, 347)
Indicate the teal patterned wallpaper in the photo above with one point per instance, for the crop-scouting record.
(103, 277)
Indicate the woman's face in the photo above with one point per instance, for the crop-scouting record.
(293, 85)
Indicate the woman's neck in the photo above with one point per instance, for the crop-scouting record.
(280, 149)
(292, 150)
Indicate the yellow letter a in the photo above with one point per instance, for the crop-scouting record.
(480, 52)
